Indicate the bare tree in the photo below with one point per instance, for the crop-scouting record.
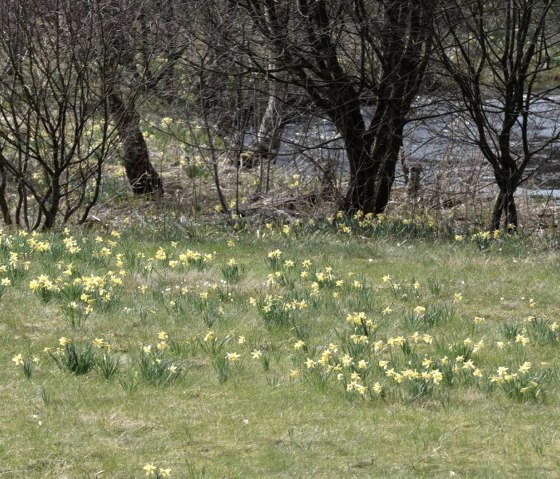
(342, 53)
(218, 100)
(497, 53)
(54, 117)
(123, 35)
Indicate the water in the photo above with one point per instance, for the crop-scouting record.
(443, 144)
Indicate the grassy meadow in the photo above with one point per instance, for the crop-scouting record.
(345, 348)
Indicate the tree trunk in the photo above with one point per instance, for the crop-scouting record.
(385, 183)
(360, 194)
(505, 208)
(372, 163)
(4, 208)
(389, 147)
(271, 129)
(52, 211)
(140, 172)
(271, 126)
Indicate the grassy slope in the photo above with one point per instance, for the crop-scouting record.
(260, 423)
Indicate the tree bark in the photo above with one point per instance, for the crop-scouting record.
(386, 177)
(505, 208)
(360, 194)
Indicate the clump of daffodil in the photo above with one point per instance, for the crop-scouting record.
(44, 287)
(155, 472)
(274, 259)
(27, 364)
(232, 270)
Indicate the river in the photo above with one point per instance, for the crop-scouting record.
(444, 144)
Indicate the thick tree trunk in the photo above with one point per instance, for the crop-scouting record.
(385, 182)
(505, 208)
(52, 211)
(507, 179)
(361, 191)
(140, 172)
(372, 164)
(360, 194)
(389, 143)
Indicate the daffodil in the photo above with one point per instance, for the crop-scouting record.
(469, 365)
(502, 371)
(346, 360)
(150, 469)
(437, 376)
(100, 343)
(18, 359)
(233, 357)
(275, 255)
(427, 362)
(524, 368)
(294, 373)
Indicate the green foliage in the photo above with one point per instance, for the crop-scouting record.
(157, 369)
(544, 331)
(232, 272)
(77, 359)
(108, 365)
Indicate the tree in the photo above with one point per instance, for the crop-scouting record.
(123, 35)
(55, 129)
(344, 53)
(497, 52)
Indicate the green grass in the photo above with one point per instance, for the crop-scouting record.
(178, 397)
